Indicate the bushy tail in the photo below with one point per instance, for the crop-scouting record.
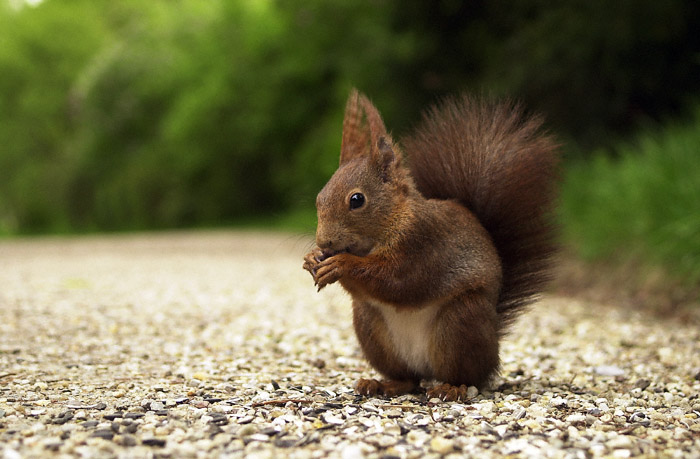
(499, 164)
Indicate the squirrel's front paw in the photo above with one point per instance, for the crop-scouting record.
(324, 269)
(328, 271)
(312, 259)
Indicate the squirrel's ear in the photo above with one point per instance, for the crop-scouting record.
(362, 128)
(356, 135)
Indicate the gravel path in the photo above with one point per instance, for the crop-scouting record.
(216, 344)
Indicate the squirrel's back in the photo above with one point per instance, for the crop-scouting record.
(499, 164)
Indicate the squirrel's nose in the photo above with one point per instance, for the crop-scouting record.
(324, 244)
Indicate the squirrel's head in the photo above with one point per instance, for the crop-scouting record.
(360, 206)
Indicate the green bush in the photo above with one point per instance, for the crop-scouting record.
(40, 52)
(182, 113)
(640, 203)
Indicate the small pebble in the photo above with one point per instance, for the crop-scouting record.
(247, 430)
(488, 429)
(442, 445)
(332, 419)
(218, 419)
(286, 442)
(53, 446)
(107, 434)
(125, 440)
(157, 442)
(609, 370)
(257, 437)
(157, 406)
(369, 408)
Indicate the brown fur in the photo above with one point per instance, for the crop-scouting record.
(497, 163)
(460, 241)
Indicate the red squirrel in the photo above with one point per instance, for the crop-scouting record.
(441, 239)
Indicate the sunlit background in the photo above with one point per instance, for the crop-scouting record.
(133, 115)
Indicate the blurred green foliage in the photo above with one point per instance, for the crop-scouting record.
(171, 113)
(641, 204)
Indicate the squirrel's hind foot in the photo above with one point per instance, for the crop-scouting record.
(448, 392)
(388, 387)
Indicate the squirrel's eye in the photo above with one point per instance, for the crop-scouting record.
(357, 200)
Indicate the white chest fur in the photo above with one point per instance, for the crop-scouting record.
(411, 333)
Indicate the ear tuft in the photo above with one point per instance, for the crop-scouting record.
(356, 135)
(374, 120)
